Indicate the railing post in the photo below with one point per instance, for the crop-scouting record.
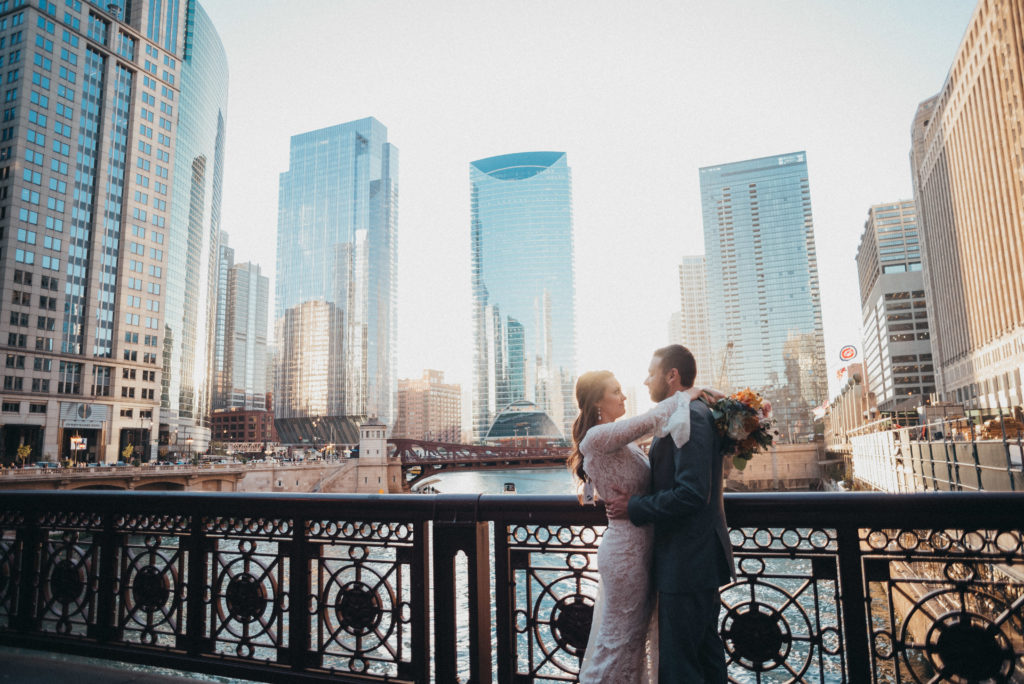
(30, 540)
(855, 605)
(106, 620)
(198, 611)
(298, 610)
(470, 537)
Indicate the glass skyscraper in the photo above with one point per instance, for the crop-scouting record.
(221, 377)
(764, 305)
(337, 246)
(193, 226)
(524, 319)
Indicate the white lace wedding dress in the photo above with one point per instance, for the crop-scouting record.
(623, 644)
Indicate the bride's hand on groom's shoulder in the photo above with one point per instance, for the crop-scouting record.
(710, 395)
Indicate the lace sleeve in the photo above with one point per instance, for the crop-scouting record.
(606, 438)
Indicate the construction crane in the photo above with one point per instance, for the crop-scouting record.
(720, 380)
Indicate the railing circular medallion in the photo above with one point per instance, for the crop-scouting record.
(970, 647)
(150, 589)
(358, 608)
(66, 581)
(246, 599)
(757, 634)
(571, 619)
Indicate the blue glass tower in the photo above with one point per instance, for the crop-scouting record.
(337, 244)
(194, 225)
(762, 284)
(524, 319)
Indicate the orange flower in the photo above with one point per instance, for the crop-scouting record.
(749, 397)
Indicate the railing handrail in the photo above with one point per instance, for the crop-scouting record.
(864, 509)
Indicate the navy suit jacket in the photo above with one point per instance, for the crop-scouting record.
(692, 550)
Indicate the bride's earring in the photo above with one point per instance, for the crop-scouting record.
(598, 414)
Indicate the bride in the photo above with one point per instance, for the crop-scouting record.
(623, 638)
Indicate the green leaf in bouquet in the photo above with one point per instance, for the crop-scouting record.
(738, 462)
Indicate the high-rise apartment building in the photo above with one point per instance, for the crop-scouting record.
(968, 183)
(762, 278)
(221, 377)
(100, 107)
(897, 340)
(694, 318)
(337, 270)
(524, 323)
(245, 358)
(429, 409)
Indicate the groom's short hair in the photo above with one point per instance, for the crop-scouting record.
(679, 357)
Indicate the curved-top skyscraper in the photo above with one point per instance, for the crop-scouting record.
(524, 294)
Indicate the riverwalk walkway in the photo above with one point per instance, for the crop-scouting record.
(25, 666)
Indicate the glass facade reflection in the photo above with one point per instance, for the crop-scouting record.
(194, 224)
(221, 376)
(762, 282)
(337, 245)
(523, 287)
(245, 358)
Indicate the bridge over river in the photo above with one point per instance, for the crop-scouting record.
(407, 463)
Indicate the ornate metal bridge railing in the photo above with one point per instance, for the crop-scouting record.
(831, 588)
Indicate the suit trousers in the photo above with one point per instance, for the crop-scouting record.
(689, 647)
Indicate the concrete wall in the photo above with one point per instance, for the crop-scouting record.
(338, 476)
(787, 466)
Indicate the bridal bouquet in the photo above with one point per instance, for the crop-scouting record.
(744, 422)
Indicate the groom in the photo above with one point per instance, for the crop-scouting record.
(692, 552)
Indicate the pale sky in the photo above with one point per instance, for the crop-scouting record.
(638, 94)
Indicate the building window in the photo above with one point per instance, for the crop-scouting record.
(11, 407)
(70, 379)
(101, 381)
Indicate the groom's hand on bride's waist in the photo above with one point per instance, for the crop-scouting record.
(616, 506)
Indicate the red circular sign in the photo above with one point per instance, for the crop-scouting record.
(848, 352)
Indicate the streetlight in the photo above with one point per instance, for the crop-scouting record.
(188, 445)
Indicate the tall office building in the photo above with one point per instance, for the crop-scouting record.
(968, 183)
(221, 377)
(337, 261)
(429, 409)
(524, 322)
(694, 317)
(245, 358)
(99, 110)
(762, 275)
(897, 340)
(193, 226)
(675, 327)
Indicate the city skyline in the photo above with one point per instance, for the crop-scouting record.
(850, 107)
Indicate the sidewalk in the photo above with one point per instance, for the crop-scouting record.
(25, 666)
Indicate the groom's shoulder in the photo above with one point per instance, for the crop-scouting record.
(700, 413)
(699, 408)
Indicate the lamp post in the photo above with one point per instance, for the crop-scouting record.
(188, 445)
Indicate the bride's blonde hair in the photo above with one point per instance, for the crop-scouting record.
(590, 388)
